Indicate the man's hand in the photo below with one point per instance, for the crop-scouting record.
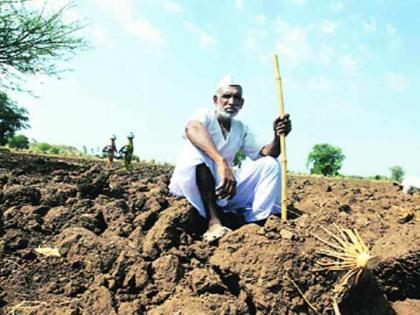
(227, 187)
(282, 125)
(200, 138)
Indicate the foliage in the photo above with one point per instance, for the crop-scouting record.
(397, 173)
(46, 148)
(12, 118)
(371, 178)
(239, 158)
(325, 159)
(350, 176)
(41, 147)
(33, 41)
(378, 177)
(18, 142)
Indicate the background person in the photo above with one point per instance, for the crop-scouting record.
(127, 152)
(110, 150)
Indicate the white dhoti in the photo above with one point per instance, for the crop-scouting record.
(257, 192)
(258, 181)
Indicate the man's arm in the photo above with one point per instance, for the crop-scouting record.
(272, 148)
(200, 138)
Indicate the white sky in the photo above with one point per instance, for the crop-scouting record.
(350, 72)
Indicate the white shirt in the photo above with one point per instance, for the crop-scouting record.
(240, 137)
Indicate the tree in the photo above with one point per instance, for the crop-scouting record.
(325, 159)
(12, 118)
(31, 42)
(18, 142)
(397, 173)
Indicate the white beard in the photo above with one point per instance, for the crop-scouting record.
(221, 111)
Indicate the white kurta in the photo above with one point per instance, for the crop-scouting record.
(258, 183)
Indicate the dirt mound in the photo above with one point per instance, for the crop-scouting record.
(128, 247)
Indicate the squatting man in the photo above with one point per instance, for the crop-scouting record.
(204, 173)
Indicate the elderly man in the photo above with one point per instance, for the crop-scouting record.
(204, 174)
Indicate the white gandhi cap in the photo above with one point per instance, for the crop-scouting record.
(227, 80)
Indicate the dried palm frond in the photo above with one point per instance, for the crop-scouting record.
(346, 252)
(336, 308)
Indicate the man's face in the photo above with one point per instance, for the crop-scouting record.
(229, 101)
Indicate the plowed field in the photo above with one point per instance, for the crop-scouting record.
(126, 246)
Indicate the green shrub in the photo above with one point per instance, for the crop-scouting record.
(46, 148)
(41, 147)
(18, 142)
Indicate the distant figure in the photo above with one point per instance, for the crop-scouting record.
(110, 150)
(127, 152)
(410, 184)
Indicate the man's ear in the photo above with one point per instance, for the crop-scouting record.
(214, 99)
(242, 102)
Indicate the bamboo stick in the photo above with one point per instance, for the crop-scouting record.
(282, 143)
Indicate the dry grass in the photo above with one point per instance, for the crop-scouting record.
(30, 307)
(26, 307)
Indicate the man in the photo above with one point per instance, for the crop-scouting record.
(204, 174)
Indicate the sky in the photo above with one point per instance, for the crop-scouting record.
(350, 71)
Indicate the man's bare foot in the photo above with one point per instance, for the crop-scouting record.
(215, 232)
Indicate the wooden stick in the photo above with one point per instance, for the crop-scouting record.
(282, 143)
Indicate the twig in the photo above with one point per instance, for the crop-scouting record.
(379, 215)
(303, 295)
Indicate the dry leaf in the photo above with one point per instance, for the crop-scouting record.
(48, 251)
